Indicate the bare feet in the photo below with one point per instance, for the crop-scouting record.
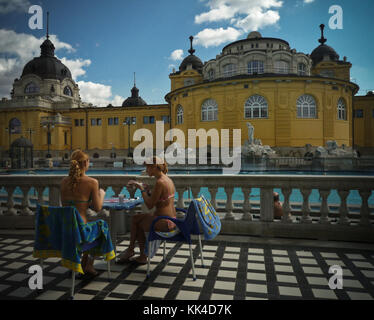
(126, 255)
(142, 259)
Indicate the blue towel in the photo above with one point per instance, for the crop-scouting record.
(61, 232)
(209, 219)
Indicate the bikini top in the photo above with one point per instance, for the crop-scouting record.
(74, 202)
(167, 198)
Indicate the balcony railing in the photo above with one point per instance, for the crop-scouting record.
(249, 216)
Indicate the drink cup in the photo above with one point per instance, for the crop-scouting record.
(121, 197)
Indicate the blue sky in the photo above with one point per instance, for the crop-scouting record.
(104, 42)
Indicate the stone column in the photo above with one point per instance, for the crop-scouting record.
(246, 204)
(10, 203)
(324, 207)
(306, 208)
(213, 193)
(266, 205)
(229, 214)
(25, 202)
(343, 210)
(365, 213)
(286, 205)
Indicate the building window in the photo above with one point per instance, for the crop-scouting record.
(301, 69)
(255, 67)
(110, 121)
(81, 121)
(93, 122)
(32, 88)
(76, 122)
(327, 73)
(359, 113)
(306, 107)
(209, 110)
(189, 82)
(65, 137)
(15, 126)
(179, 115)
(98, 122)
(256, 107)
(148, 119)
(145, 120)
(229, 70)
(68, 92)
(342, 110)
(211, 74)
(282, 67)
(113, 121)
(165, 119)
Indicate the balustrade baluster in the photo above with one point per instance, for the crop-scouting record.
(25, 202)
(306, 208)
(54, 196)
(365, 213)
(246, 204)
(286, 218)
(40, 191)
(324, 207)
(180, 203)
(229, 207)
(213, 194)
(10, 203)
(195, 192)
(343, 210)
(266, 205)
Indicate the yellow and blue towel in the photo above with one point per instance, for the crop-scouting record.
(61, 232)
(208, 217)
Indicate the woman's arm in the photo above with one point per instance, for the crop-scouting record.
(97, 196)
(149, 200)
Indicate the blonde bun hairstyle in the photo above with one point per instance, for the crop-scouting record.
(159, 163)
(77, 164)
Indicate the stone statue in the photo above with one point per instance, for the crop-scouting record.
(251, 130)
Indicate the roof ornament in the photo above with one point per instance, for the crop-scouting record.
(134, 80)
(47, 24)
(192, 50)
(323, 39)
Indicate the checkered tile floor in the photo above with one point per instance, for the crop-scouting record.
(233, 270)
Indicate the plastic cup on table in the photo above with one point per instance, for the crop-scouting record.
(121, 198)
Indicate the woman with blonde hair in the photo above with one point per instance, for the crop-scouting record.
(81, 191)
(162, 198)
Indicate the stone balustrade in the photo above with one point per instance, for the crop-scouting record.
(239, 217)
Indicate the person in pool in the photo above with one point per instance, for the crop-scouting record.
(161, 198)
(81, 191)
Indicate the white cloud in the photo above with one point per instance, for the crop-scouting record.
(176, 55)
(98, 94)
(7, 6)
(214, 37)
(308, 1)
(244, 15)
(76, 66)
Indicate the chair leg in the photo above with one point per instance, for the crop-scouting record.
(72, 285)
(201, 252)
(109, 275)
(148, 265)
(193, 265)
(164, 250)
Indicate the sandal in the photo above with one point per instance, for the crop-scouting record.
(124, 258)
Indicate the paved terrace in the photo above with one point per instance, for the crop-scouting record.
(237, 267)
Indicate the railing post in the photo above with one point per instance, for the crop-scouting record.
(246, 204)
(10, 203)
(324, 219)
(213, 193)
(286, 205)
(343, 210)
(54, 195)
(180, 203)
(266, 205)
(40, 191)
(365, 213)
(306, 208)
(229, 214)
(25, 202)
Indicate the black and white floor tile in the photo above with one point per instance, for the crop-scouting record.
(232, 270)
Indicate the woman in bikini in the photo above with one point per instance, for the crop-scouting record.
(162, 198)
(81, 191)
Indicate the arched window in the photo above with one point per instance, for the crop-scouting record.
(209, 110)
(281, 67)
(256, 107)
(255, 67)
(15, 126)
(229, 70)
(301, 69)
(306, 107)
(342, 109)
(32, 88)
(68, 92)
(179, 114)
(211, 74)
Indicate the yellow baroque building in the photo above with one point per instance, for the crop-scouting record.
(290, 98)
